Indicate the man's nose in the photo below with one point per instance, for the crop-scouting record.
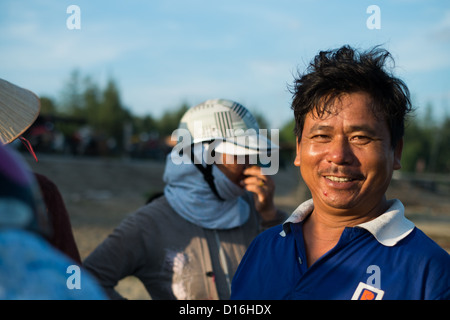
(340, 151)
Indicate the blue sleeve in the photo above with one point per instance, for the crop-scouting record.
(260, 273)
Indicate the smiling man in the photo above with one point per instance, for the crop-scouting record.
(348, 241)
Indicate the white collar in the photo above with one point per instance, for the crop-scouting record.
(389, 228)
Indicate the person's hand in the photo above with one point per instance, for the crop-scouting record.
(263, 189)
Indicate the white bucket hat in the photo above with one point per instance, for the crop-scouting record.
(230, 124)
(19, 108)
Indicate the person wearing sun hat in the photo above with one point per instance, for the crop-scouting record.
(187, 243)
(221, 134)
(19, 108)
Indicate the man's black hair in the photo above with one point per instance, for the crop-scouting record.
(343, 71)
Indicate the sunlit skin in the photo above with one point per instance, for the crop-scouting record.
(249, 177)
(346, 159)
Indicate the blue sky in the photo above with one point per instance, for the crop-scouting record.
(164, 53)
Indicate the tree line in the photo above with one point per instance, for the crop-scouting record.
(101, 111)
(84, 103)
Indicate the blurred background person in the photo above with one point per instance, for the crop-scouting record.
(188, 242)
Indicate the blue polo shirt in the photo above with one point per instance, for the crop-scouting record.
(386, 258)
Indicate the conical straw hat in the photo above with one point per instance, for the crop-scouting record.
(19, 108)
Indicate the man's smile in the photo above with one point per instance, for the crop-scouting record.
(339, 179)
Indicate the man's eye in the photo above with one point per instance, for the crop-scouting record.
(361, 139)
(321, 137)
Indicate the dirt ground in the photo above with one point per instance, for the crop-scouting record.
(99, 193)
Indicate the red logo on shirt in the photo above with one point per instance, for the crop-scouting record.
(367, 292)
(367, 295)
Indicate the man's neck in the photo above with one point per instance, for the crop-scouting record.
(323, 228)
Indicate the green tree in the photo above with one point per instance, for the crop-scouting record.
(114, 116)
(48, 106)
(443, 147)
(287, 135)
(145, 124)
(72, 96)
(92, 104)
(170, 120)
(416, 146)
(427, 144)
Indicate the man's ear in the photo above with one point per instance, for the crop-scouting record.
(398, 155)
(297, 156)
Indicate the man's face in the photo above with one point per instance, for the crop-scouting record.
(346, 157)
(233, 167)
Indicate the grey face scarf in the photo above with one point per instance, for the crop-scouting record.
(191, 197)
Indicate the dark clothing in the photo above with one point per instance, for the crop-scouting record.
(62, 236)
